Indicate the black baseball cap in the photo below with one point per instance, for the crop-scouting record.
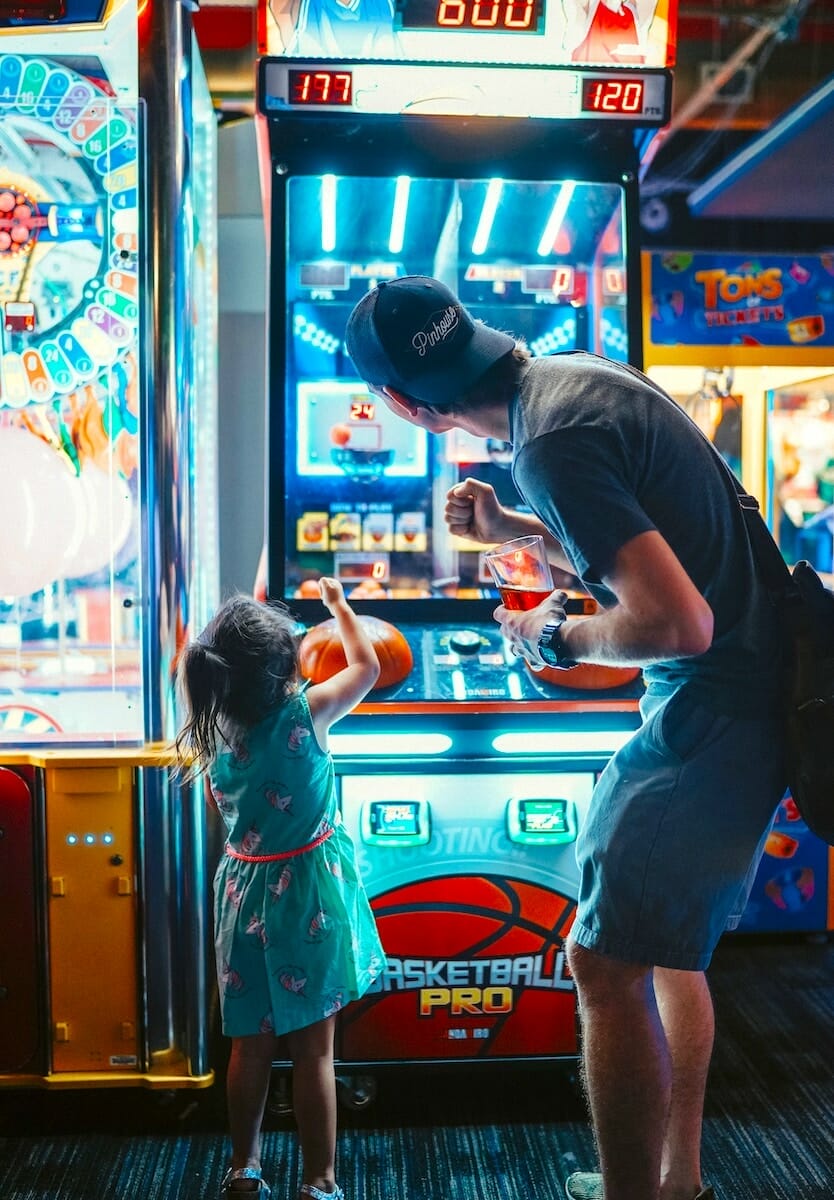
(414, 335)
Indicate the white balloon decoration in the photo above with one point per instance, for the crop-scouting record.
(38, 512)
(54, 523)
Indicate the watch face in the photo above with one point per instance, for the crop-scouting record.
(546, 649)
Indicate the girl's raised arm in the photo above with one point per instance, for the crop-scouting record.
(336, 696)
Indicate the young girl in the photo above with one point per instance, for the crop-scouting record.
(294, 933)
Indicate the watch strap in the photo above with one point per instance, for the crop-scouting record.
(552, 649)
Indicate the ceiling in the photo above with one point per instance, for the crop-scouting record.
(744, 71)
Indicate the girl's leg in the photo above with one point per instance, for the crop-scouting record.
(247, 1086)
(314, 1101)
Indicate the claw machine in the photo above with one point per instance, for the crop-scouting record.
(745, 342)
(494, 146)
(107, 547)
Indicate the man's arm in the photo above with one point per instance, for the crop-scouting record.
(473, 511)
(659, 614)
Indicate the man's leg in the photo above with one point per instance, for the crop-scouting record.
(645, 1070)
(685, 1007)
(627, 1071)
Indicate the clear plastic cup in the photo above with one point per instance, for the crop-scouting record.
(521, 573)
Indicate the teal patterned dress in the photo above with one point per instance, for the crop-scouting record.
(294, 933)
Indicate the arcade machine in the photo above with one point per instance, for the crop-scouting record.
(107, 408)
(746, 344)
(495, 147)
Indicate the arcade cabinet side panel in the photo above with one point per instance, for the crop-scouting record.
(70, 297)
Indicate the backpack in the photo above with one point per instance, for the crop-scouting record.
(809, 611)
(806, 606)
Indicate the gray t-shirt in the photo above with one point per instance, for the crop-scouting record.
(601, 454)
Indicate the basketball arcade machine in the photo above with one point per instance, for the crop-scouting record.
(445, 142)
(106, 415)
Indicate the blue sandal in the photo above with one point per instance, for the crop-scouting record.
(227, 1191)
(309, 1189)
(587, 1185)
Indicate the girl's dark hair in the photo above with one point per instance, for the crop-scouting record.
(240, 666)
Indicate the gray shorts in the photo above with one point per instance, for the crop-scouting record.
(675, 831)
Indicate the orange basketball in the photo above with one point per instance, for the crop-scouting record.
(590, 677)
(368, 589)
(308, 589)
(340, 435)
(321, 654)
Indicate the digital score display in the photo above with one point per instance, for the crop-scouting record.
(324, 275)
(481, 16)
(395, 818)
(395, 823)
(321, 89)
(621, 96)
(32, 10)
(515, 89)
(543, 816)
(362, 410)
(351, 568)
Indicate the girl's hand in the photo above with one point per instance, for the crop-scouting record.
(334, 697)
(332, 593)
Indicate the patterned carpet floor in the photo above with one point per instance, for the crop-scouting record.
(481, 1132)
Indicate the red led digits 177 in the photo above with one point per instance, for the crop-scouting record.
(325, 88)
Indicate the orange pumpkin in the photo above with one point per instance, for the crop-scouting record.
(308, 589)
(590, 677)
(321, 654)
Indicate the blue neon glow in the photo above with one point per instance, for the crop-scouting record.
(397, 235)
(328, 213)
(592, 741)
(485, 221)
(557, 216)
(422, 744)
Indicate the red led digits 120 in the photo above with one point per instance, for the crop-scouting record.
(323, 88)
(613, 96)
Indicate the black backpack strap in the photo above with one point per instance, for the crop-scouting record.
(775, 571)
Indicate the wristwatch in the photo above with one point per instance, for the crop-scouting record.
(552, 649)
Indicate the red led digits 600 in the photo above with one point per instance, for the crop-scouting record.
(487, 14)
(490, 16)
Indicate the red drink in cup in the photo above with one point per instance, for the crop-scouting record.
(521, 573)
(519, 599)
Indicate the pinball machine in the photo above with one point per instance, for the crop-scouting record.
(486, 145)
(107, 443)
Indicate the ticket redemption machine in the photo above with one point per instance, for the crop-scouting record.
(106, 416)
(462, 142)
(745, 343)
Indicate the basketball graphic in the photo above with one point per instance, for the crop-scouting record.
(475, 968)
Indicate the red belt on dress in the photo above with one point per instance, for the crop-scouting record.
(262, 858)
